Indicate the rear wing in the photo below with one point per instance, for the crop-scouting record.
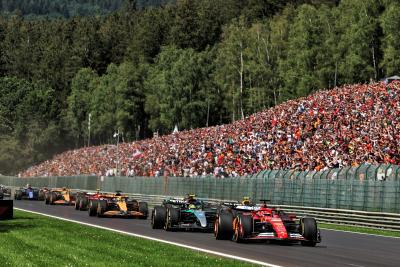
(175, 201)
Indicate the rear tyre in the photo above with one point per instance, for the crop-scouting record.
(93, 208)
(83, 203)
(18, 195)
(143, 208)
(41, 196)
(223, 226)
(101, 207)
(243, 228)
(309, 231)
(172, 219)
(47, 199)
(158, 217)
(77, 203)
(53, 198)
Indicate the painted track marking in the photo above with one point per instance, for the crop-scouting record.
(344, 231)
(156, 239)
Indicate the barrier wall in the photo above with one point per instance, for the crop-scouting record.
(366, 188)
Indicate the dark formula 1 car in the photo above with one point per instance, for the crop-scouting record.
(117, 205)
(4, 192)
(83, 199)
(30, 193)
(259, 222)
(59, 196)
(187, 214)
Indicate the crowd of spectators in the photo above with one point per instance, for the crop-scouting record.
(344, 126)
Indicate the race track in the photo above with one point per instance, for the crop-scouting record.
(336, 249)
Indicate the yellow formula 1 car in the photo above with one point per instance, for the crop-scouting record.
(60, 196)
(117, 205)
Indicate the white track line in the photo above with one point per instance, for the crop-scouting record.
(158, 240)
(351, 232)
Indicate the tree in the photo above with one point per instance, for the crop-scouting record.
(307, 53)
(230, 67)
(28, 129)
(179, 91)
(358, 45)
(117, 102)
(79, 105)
(391, 39)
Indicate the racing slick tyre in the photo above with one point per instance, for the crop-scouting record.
(309, 231)
(143, 208)
(83, 203)
(172, 219)
(18, 195)
(93, 208)
(223, 226)
(41, 196)
(53, 198)
(101, 207)
(47, 199)
(243, 228)
(158, 217)
(77, 203)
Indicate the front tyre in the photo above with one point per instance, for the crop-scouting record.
(92, 208)
(172, 219)
(77, 203)
(223, 226)
(143, 208)
(158, 217)
(309, 231)
(243, 228)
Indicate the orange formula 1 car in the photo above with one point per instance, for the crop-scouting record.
(117, 205)
(60, 196)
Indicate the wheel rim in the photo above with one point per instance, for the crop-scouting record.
(236, 235)
(216, 225)
(167, 221)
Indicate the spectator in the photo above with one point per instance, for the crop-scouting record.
(341, 127)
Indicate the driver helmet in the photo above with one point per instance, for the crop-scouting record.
(192, 206)
(246, 201)
(191, 198)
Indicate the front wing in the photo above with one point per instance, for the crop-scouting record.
(128, 214)
(272, 236)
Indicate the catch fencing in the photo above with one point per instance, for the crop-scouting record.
(373, 188)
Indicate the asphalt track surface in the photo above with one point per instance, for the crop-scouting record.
(336, 249)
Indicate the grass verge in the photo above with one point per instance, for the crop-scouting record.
(356, 229)
(34, 240)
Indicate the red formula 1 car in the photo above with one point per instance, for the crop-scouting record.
(259, 222)
(83, 199)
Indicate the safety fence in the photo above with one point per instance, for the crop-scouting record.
(364, 188)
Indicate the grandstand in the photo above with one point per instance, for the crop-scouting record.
(345, 126)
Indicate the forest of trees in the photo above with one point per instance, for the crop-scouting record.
(193, 64)
(39, 9)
